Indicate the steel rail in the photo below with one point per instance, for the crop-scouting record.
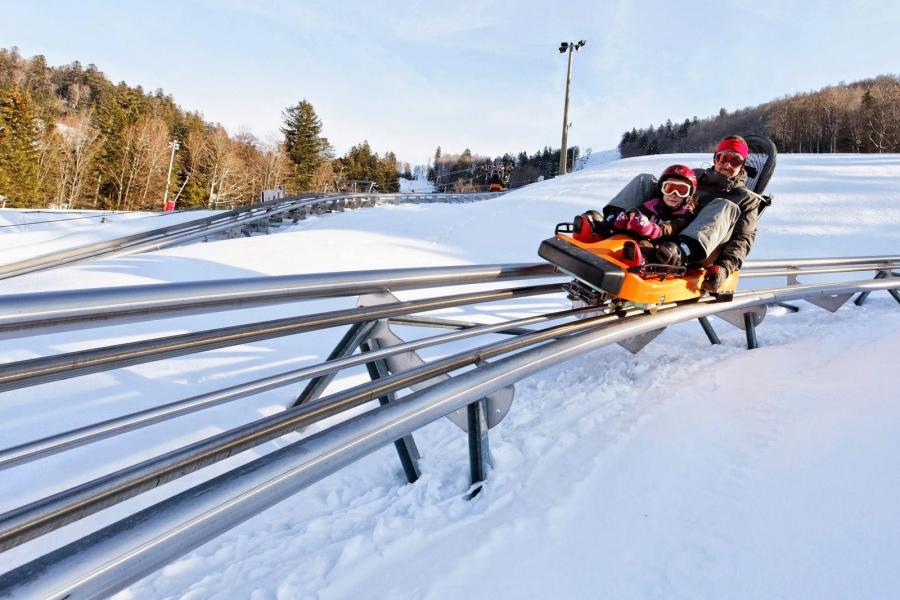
(59, 258)
(190, 230)
(44, 312)
(108, 560)
(34, 371)
(38, 313)
(812, 271)
(30, 451)
(818, 262)
(284, 206)
(438, 323)
(47, 514)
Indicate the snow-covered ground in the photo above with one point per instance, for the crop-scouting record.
(598, 158)
(30, 233)
(420, 185)
(686, 471)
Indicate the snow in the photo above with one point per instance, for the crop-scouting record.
(686, 471)
(419, 185)
(27, 234)
(598, 158)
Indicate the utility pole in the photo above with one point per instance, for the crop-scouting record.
(563, 150)
(174, 145)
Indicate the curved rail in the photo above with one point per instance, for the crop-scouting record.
(119, 554)
(44, 312)
(180, 233)
(63, 366)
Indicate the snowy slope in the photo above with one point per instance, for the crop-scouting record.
(420, 186)
(687, 471)
(26, 234)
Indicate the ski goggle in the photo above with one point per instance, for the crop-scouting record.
(732, 159)
(682, 189)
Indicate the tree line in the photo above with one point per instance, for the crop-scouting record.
(859, 117)
(458, 171)
(70, 137)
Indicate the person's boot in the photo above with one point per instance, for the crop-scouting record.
(668, 253)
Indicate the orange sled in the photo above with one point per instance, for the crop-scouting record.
(602, 266)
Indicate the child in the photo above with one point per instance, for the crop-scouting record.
(662, 216)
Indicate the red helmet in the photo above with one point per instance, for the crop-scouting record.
(682, 172)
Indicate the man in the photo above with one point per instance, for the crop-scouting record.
(727, 212)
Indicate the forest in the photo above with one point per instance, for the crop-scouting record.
(859, 117)
(70, 138)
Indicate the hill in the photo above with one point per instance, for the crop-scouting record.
(863, 116)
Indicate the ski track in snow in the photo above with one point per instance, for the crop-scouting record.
(686, 471)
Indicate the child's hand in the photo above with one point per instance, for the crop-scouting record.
(642, 226)
(621, 222)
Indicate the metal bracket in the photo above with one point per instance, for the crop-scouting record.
(829, 303)
(736, 317)
(636, 344)
(498, 403)
(746, 319)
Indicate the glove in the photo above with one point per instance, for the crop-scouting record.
(715, 277)
(621, 222)
(643, 226)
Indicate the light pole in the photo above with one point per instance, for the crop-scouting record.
(563, 151)
(174, 145)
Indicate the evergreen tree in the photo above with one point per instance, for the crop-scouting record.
(19, 142)
(437, 172)
(388, 173)
(306, 148)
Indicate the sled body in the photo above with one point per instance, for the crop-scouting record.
(601, 266)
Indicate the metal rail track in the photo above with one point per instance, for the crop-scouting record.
(297, 207)
(110, 559)
(46, 312)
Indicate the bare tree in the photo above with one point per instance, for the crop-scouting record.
(141, 169)
(77, 144)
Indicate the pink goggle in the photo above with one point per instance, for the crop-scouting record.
(682, 189)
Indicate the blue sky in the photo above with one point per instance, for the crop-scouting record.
(487, 75)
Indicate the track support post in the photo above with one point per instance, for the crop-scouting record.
(709, 331)
(348, 344)
(750, 330)
(863, 296)
(788, 306)
(479, 445)
(406, 447)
